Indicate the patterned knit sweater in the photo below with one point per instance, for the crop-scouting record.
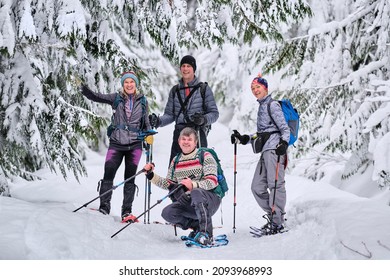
(205, 176)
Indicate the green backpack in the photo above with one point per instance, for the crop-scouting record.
(222, 187)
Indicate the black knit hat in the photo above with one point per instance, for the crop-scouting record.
(188, 59)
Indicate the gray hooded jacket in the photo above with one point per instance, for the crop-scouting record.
(265, 123)
(122, 138)
(173, 112)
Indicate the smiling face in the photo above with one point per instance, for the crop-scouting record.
(129, 86)
(187, 143)
(258, 90)
(187, 72)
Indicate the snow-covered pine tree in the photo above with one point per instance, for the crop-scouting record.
(47, 46)
(338, 74)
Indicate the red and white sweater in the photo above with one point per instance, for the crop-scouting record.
(190, 165)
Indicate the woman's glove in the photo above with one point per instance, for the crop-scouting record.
(281, 148)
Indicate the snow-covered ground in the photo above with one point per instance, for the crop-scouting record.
(325, 223)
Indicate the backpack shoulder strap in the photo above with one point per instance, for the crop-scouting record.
(183, 104)
(118, 99)
(269, 111)
(203, 86)
(201, 158)
(175, 91)
(174, 164)
(143, 105)
(201, 155)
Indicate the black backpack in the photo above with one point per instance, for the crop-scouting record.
(183, 103)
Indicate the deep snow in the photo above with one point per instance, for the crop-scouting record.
(325, 223)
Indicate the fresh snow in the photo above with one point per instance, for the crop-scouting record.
(324, 222)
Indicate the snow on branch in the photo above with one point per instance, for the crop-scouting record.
(329, 27)
(77, 108)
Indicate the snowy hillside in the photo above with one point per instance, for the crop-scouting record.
(325, 223)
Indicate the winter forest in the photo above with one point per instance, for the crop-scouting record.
(329, 57)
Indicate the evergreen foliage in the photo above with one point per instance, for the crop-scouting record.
(47, 47)
(343, 103)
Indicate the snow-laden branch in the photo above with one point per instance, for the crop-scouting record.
(329, 27)
(78, 108)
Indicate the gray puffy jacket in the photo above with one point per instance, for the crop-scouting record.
(173, 112)
(265, 123)
(123, 137)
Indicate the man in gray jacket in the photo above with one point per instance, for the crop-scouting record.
(275, 135)
(190, 104)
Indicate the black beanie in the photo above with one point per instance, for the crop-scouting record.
(188, 59)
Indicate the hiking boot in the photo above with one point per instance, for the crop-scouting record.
(270, 228)
(128, 198)
(274, 228)
(105, 200)
(103, 211)
(203, 238)
(193, 233)
(267, 224)
(205, 224)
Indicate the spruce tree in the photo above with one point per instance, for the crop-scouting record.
(338, 73)
(47, 47)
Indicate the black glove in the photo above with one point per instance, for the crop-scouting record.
(236, 137)
(184, 199)
(85, 90)
(154, 120)
(150, 175)
(178, 193)
(281, 148)
(198, 119)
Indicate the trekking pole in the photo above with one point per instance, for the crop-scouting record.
(147, 149)
(149, 182)
(198, 132)
(158, 202)
(142, 136)
(235, 184)
(276, 182)
(110, 190)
